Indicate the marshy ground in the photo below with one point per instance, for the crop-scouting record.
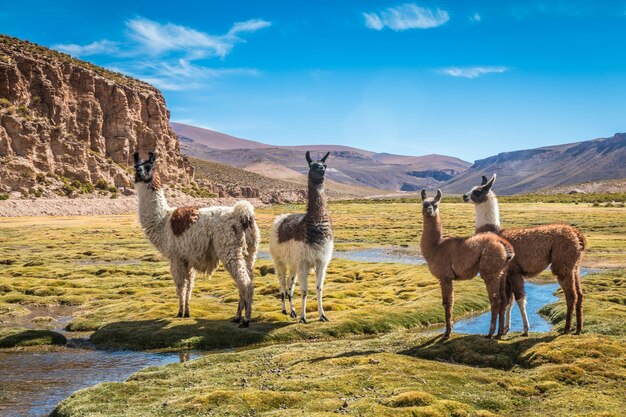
(372, 358)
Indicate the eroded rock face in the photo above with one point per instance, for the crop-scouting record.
(63, 119)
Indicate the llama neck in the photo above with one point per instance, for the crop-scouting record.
(488, 212)
(153, 210)
(432, 235)
(317, 207)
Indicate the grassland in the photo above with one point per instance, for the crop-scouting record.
(121, 291)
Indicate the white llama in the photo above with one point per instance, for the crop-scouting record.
(301, 242)
(196, 239)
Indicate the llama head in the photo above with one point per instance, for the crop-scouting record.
(317, 169)
(479, 193)
(430, 206)
(144, 170)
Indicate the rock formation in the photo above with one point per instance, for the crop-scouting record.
(65, 122)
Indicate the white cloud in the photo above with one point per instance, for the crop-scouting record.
(406, 16)
(475, 18)
(173, 49)
(473, 72)
(157, 38)
(94, 48)
(249, 26)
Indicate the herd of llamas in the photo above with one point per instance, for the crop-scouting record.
(196, 239)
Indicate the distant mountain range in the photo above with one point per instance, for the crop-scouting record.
(518, 172)
(551, 166)
(351, 166)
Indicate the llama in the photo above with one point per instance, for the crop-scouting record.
(459, 258)
(301, 242)
(196, 239)
(559, 245)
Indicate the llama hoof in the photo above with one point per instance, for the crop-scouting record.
(186, 315)
(498, 337)
(577, 332)
(445, 336)
(323, 318)
(525, 334)
(293, 314)
(303, 320)
(489, 336)
(284, 312)
(237, 320)
(245, 323)
(179, 315)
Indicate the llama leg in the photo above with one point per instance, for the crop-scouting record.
(320, 276)
(180, 272)
(292, 288)
(503, 305)
(517, 285)
(579, 302)
(447, 295)
(281, 271)
(237, 268)
(569, 290)
(190, 281)
(303, 272)
(509, 305)
(493, 291)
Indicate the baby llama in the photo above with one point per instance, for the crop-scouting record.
(301, 242)
(195, 239)
(559, 245)
(458, 258)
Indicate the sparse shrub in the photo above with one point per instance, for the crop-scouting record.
(87, 188)
(101, 184)
(4, 196)
(41, 178)
(4, 103)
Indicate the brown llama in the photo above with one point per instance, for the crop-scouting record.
(559, 245)
(461, 258)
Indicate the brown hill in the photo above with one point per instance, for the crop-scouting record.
(227, 181)
(349, 166)
(68, 125)
(552, 166)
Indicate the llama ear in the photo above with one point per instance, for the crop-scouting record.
(489, 184)
(136, 157)
(308, 157)
(484, 181)
(151, 157)
(325, 156)
(423, 194)
(438, 196)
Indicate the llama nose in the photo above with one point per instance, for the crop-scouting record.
(465, 198)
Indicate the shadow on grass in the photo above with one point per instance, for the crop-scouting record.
(181, 333)
(477, 350)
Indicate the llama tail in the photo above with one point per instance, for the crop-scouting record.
(508, 248)
(582, 240)
(244, 212)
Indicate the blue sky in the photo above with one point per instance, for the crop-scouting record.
(462, 78)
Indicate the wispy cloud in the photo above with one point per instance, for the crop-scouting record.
(475, 18)
(173, 49)
(157, 38)
(406, 16)
(103, 47)
(472, 72)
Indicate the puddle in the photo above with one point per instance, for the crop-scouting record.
(388, 255)
(538, 295)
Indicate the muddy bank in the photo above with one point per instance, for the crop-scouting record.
(99, 206)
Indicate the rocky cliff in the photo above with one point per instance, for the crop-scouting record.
(67, 125)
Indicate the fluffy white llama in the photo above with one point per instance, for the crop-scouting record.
(195, 239)
(559, 245)
(301, 242)
(460, 258)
